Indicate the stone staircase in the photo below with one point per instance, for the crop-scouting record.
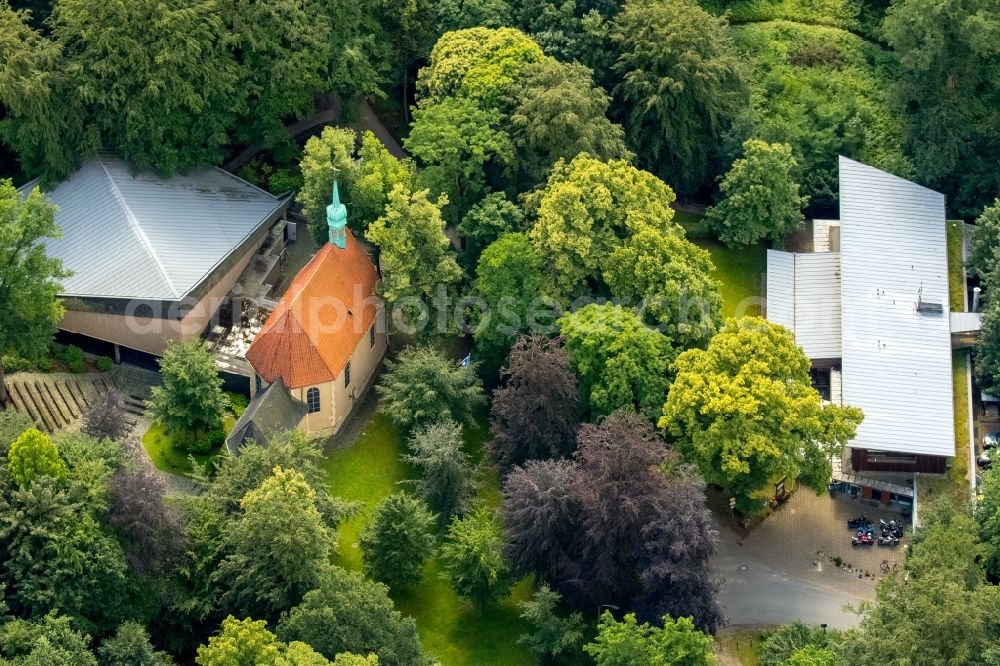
(56, 401)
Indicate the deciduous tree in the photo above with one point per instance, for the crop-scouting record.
(780, 644)
(628, 643)
(461, 14)
(585, 210)
(945, 88)
(509, 278)
(670, 279)
(421, 385)
(541, 517)
(448, 478)
(942, 611)
(398, 541)
(745, 412)
(326, 158)
(984, 256)
(348, 613)
(987, 349)
(560, 113)
(105, 417)
(29, 278)
(760, 198)
(190, 400)
(490, 218)
(150, 530)
(473, 557)
(681, 84)
(375, 174)
(455, 140)
(277, 550)
(614, 516)
(479, 64)
(415, 256)
(250, 642)
(620, 361)
(534, 413)
(642, 545)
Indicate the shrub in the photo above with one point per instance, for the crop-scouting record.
(43, 364)
(238, 403)
(104, 364)
(16, 363)
(206, 442)
(72, 356)
(284, 180)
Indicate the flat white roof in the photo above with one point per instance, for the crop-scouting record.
(803, 294)
(897, 360)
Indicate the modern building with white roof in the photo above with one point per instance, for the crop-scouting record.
(870, 307)
(153, 258)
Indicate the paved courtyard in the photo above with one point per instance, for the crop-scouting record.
(804, 537)
(785, 570)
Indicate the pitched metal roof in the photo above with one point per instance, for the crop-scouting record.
(136, 235)
(896, 358)
(803, 294)
(271, 412)
(328, 309)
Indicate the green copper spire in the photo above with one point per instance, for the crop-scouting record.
(336, 219)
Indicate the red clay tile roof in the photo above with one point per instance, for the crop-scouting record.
(310, 336)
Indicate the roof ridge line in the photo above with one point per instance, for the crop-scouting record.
(245, 182)
(137, 228)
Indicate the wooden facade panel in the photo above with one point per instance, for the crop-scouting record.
(923, 464)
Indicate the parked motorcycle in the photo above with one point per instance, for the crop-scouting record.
(864, 539)
(860, 521)
(891, 528)
(888, 541)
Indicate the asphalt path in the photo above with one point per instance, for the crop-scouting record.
(755, 593)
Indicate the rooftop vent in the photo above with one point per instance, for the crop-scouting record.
(926, 306)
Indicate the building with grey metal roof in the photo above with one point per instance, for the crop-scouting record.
(137, 235)
(152, 258)
(883, 300)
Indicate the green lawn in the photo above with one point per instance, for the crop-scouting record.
(451, 629)
(956, 263)
(167, 457)
(955, 484)
(740, 271)
(739, 646)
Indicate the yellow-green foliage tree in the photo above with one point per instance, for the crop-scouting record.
(586, 209)
(415, 256)
(250, 642)
(33, 454)
(479, 64)
(745, 412)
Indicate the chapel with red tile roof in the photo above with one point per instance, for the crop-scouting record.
(327, 336)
